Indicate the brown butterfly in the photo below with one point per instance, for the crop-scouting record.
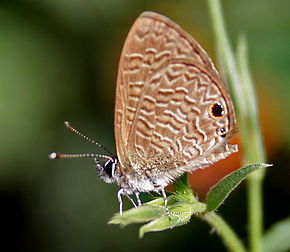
(173, 113)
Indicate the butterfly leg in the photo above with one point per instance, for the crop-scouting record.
(131, 200)
(137, 194)
(120, 192)
(165, 202)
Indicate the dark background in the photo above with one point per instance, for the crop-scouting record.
(58, 62)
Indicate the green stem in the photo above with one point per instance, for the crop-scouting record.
(228, 236)
(227, 59)
(255, 213)
(247, 115)
(253, 154)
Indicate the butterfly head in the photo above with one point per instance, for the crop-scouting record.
(107, 169)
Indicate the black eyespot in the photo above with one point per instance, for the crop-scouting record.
(222, 132)
(217, 110)
(109, 167)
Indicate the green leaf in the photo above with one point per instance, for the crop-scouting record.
(138, 215)
(183, 189)
(276, 239)
(159, 224)
(222, 189)
(180, 214)
(182, 205)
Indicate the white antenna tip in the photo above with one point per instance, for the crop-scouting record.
(53, 155)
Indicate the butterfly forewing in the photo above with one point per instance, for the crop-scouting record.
(166, 88)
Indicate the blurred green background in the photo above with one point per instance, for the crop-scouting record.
(58, 62)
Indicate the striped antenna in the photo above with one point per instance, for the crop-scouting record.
(86, 138)
(55, 155)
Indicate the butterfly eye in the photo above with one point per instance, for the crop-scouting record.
(109, 167)
(216, 110)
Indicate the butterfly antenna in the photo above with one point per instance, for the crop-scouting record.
(87, 138)
(55, 155)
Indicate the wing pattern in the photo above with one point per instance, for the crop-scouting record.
(166, 87)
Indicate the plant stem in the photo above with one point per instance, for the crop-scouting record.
(255, 154)
(247, 115)
(255, 213)
(227, 59)
(228, 236)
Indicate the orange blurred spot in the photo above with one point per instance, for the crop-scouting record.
(273, 121)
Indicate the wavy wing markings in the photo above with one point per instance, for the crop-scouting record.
(162, 97)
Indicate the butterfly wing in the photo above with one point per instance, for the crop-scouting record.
(166, 96)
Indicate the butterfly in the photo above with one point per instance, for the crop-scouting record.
(173, 112)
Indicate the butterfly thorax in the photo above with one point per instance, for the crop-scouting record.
(141, 177)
